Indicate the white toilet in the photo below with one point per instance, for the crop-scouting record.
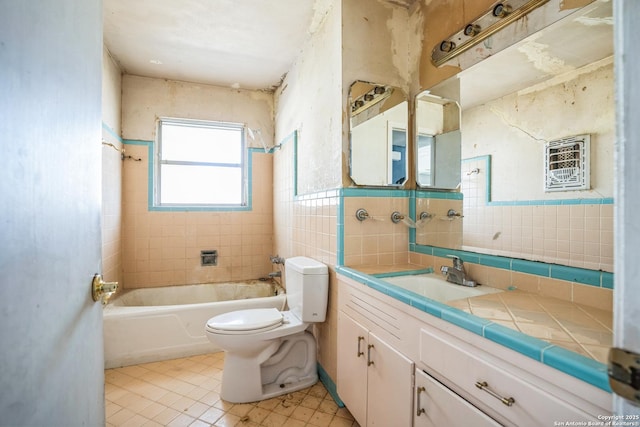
(270, 352)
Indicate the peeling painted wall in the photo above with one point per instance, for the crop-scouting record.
(145, 99)
(111, 170)
(309, 101)
(513, 130)
(375, 40)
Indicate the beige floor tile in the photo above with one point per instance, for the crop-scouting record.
(182, 420)
(169, 398)
(152, 410)
(320, 419)
(135, 421)
(121, 416)
(166, 416)
(303, 414)
(210, 398)
(186, 392)
(310, 402)
(274, 420)
(182, 404)
(328, 406)
(227, 420)
(291, 422)
(211, 415)
(241, 409)
(257, 414)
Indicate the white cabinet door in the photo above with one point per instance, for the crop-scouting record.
(437, 406)
(352, 366)
(390, 382)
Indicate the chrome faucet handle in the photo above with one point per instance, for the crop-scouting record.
(458, 263)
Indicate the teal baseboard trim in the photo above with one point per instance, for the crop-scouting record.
(328, 383)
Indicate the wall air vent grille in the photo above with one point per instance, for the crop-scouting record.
(566, 164)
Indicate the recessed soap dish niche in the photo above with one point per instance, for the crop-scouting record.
(209, 257)
(566, 164)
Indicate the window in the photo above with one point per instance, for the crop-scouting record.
(200, 163)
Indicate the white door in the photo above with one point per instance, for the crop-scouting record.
(51, 352)
(627, 160)
(390, 386)
(352, 366)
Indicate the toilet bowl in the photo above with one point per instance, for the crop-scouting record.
(270, 352)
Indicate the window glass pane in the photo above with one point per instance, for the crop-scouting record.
(201, 144)
(200, 185)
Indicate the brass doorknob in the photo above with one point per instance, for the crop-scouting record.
(101, 290)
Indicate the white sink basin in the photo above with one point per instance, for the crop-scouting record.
(437, 288)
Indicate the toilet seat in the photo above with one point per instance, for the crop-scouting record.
(244, 322)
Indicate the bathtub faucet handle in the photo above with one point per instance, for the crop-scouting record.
(275, 259)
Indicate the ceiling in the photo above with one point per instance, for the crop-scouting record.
(249, 44)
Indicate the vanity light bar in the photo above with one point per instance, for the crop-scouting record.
(499, 16)
(369, 99)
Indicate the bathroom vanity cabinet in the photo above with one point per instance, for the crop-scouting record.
(379, 389)
(460, 378)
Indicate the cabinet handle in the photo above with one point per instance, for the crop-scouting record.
(509, 401)
(360, 353)
(419, 410)
(369, 361)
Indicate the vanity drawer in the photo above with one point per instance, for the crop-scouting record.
(438, 406)
(501, 393)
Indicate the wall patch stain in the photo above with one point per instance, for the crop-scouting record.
(538, 55)
(592, 22)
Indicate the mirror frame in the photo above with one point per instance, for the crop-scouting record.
(376, 94)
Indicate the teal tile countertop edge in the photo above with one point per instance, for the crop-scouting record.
(571, 363)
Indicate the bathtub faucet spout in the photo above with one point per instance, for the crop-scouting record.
(275, 274)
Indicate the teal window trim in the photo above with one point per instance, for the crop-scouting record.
(151, 184)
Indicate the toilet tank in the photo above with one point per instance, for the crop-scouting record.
(307, 282)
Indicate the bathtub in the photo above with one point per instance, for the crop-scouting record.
(153, 324)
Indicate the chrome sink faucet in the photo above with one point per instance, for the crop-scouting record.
(457, 274)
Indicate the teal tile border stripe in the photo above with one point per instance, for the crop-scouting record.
(328, 383)
(373, 192)
(451, 195)
(151, 178)
(583, 276)
(556, 202)
(111, 132)
(574, 364)
(597, 278)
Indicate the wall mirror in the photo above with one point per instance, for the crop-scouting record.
(556, 84)
(437, 132)
(378, 123)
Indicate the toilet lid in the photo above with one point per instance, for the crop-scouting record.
(246, 320)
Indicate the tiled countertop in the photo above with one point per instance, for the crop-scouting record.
(570, 337)
(585, 330)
